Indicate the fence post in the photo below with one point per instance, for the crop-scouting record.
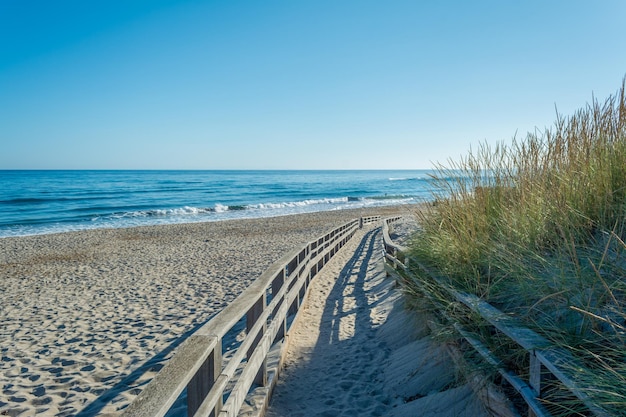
(535, 378)
(203, 380)
(293, 308)
(277, 284)
(251, 318)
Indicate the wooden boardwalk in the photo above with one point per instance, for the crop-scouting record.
(355, 352)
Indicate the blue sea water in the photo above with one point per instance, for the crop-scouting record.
(38, 202)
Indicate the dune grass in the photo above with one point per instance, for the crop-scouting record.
(538, 228)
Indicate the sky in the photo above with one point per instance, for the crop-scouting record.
(292, 84)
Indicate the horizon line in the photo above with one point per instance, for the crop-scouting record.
(216, 169)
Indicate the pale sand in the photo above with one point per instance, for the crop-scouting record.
(356, 351)
(88, 317)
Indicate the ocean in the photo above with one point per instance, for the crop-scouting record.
(39, 202)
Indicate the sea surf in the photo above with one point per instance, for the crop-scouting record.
(40, 202)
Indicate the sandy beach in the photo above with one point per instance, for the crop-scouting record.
(89, 317)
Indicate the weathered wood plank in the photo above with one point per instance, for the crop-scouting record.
(156, 399)
(387, 241)
(246, 379)
(277, 285)
(523, 336)
(203, 380)
(212, 404)
(254, 315)
(563, 365)
(527, 392)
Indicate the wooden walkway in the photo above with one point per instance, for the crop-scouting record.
(355, 351)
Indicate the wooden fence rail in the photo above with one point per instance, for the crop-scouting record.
(216, 387)
(544, 359)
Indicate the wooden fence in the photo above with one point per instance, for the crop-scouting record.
(216, 387)
(546, 362)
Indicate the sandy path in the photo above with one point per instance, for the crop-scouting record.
(333, 365)
(357, 352)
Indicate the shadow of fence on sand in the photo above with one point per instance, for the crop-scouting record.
(129, 382)
(344, 364)
(351, 283)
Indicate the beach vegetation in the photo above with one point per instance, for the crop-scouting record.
(537, 228)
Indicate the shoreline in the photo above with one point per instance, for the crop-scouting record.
(84, 310)
(70, 227)
(34, 203)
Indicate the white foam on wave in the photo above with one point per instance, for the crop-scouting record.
(220, 208)
(190, 214)
(177, 211)
(303, 203)
(406, 179)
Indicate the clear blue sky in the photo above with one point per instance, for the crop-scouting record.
(319, 84)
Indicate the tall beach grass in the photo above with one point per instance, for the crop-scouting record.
(537, 227)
